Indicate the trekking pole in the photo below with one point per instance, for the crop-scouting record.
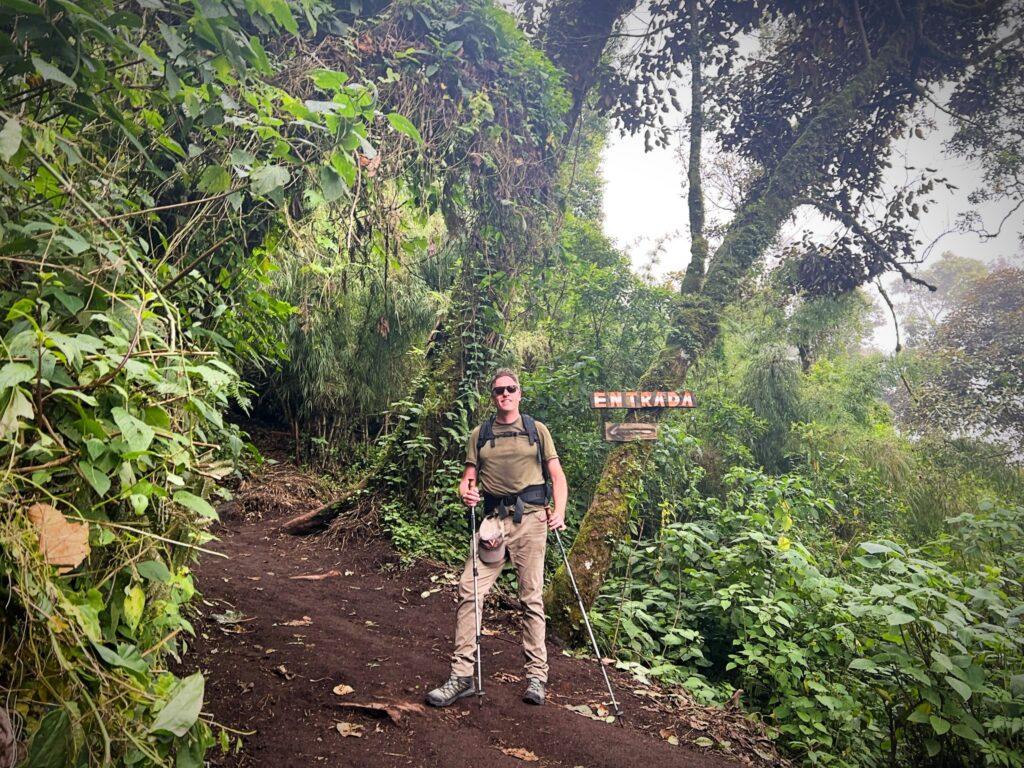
(619, 714)
(476, 601)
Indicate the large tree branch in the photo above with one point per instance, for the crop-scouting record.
(852, 223)
(759, 219)
(575, 36)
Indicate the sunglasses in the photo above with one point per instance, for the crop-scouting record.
(498, 391)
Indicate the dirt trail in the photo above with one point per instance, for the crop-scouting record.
(274, 647)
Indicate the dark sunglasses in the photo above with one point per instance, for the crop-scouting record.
(498, 391)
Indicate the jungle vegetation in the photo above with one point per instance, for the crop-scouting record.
(344, 215)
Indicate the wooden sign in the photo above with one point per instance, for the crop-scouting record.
(657, 399)
(631, 430)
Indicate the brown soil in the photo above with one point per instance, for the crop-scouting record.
(274, 647)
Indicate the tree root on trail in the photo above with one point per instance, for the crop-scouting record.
(324, 516)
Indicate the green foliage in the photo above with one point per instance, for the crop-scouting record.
(771, 388)
(349, 345)
(896, 652)
(146, 174)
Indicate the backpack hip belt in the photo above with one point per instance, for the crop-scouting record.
(514, 505)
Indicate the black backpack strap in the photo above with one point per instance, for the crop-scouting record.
(530, 425)
(486, 434)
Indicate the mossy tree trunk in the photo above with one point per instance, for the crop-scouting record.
(696, 320)
(591, 552)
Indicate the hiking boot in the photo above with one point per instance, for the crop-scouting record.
(456, 688)
(534, 691)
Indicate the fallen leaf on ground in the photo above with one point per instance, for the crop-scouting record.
(349, 729)
(669, 736)
(522, 754)
(342, 690)
(234, 629)
(62, 542)
(648, 692)
(230, 617)
(704, 741)
(392, 709)
(305, 621)
(282, 670)
(316, 576)
(489, 632)
(582, 709)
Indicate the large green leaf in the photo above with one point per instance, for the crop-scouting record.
(939, 725)
(154, 570)
(267, 178)
(402, 124)
(182, 711)
(134, 604)
(13, 374)
(214, 180)
(331, 183)
(959, 686)
(135, 432)
(328, 79)
(18, 407)
(51, 744)
(10, 139)
(50, 72)
(20, 7)
(126, 656)
(97, 478)
(195, 503)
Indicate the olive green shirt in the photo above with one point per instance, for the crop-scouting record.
(512, 464)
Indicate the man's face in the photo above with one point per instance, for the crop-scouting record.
(505, 399)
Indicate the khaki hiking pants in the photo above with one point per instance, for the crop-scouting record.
(525, 543)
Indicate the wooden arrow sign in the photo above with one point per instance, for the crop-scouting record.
(631, 430)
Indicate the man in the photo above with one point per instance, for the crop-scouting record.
(504, 470)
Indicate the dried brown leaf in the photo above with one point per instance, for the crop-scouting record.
(343, 690)
(62, 542)
(305, 621)
(349, 729)
(282, 670)
(523, 754)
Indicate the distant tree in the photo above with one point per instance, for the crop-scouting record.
(825, 325)
(920, 310)
(975, 386)
(771, 389)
